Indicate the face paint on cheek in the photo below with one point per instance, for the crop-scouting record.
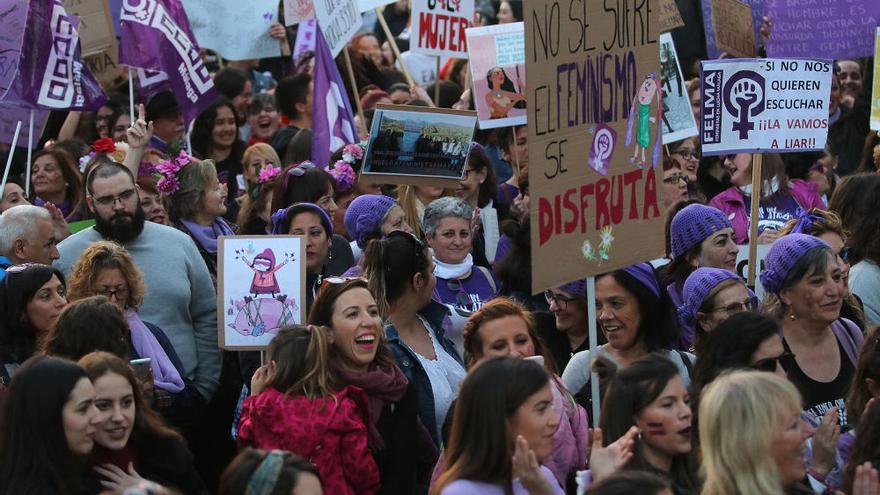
(655, 429)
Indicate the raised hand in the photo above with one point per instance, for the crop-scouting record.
(605, 461)
(140, 132)
(528, 471)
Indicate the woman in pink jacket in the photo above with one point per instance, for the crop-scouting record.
(780, 197)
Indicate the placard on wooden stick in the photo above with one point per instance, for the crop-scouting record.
(734, 32)
(261, 288)
(418, 146)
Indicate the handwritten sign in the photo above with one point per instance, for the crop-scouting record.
(758, 12)
(339, 21)
(594, 123)
(235, 29)
(106, 67)
(875, 94)
(96, 31)
(678, 117)
(734, 31)
(835, 29)
(498, 71)
(756, 105)
(439, 27)
(670, 17)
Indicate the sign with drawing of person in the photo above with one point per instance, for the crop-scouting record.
(498, 71)
(678, 117)
(260, 288)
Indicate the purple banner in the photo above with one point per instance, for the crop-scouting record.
(12, 114)
(835, 29)
(758, 9)
(51, 73)
(14, 17)
(155, 35)
(332, 119)
(305, 38)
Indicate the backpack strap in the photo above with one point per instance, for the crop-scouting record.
(850, 337)
(687, 364)
(488, 275)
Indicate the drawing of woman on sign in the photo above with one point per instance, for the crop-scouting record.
(641, 110)
(502, 95)
(264, 273)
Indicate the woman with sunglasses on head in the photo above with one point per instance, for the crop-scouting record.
(636, 321)
(462, 286)
(826, 225)
(106, 269)
(47, 428)
(711, 296)
(803, 280)
(400, 273)
(401, 445)
(32, 297)
(699, 236)
(306, 183)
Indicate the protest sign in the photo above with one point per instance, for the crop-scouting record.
(498, 71)
(365, 5)
(106, 67)
(757, 105)
(339, 21)
(418, 146)
(296, 11)
(875, 94)
(758, 12)
(834, 29)
(438, 27)
(96, 32)
(734, 30)
(670, 17)
(678, 117)
(236, 30)
(742, 266)
(594, 138)
(261, 288)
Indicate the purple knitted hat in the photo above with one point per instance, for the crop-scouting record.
(278, 217)
(697, 288)
(645, 275)
(783, 256)
(576, 288)
(693, 224)
(364, 216)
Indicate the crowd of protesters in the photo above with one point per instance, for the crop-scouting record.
(426, 365)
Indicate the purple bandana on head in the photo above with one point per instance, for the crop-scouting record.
(332, 119)
(644, 274)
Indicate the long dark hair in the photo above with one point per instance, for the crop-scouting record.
(856, 200)
(203, 129)
(629, 392)
(389, 265)
(506, 85)
(35, 457)
(866, 447)
(88, 325)
(657, 327)
(478, 161)
(289, 189)
(238, 474)
(481, 444)
(868, 366)
(17, 338)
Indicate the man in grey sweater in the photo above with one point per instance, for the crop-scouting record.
(180, 297)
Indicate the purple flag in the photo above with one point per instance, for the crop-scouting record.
(155, 35)
(305, 38)
(332, 119)
(51, 72)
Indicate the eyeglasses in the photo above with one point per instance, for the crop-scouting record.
(111, 200)
(769, 364)
(738, 307)
(688, 154)
(674, 179)
(339, 280)
(560, 300)
(120, 293)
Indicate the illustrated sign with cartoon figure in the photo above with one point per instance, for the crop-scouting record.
(261, 288)
(595, 117)
(764, 105)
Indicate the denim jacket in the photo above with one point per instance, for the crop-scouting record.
(434, 313)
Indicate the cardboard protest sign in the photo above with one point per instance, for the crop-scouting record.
(418, 145)
(498, 71)
(236, 30)
(670, 17)
(296, 11)
(834, 29)
(712, 48)
(594, 138)
(875, 93)
(757, 105)
(96, 31)
(734, 30)
(438, 27)
(261, 287)
(106, 67)
(339, 21)
(678, 117)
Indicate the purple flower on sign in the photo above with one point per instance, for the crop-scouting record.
(167, 185)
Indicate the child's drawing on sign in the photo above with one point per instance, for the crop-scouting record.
(264, 269)
(641, 111)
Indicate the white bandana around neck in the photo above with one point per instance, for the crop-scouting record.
(450, 271)
(770, 187)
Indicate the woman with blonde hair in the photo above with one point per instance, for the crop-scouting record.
(261, 167)
(751, 444)
(257, 158)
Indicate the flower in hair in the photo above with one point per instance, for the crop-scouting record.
(168, 185)
(167, 171)
(344, 176)
(351, 153)
(104, 145)
(268, 173)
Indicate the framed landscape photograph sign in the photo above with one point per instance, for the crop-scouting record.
(418, 145)
(261, 284)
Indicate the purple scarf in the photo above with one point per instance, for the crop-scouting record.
(165, 375)
(207, 235)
